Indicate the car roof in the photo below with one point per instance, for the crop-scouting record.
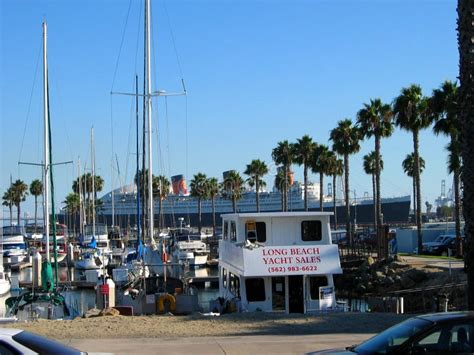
(447, 316)
(9, 331)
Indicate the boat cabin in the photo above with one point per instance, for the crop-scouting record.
(278, 262)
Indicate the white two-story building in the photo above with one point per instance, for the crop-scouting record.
(278, 262)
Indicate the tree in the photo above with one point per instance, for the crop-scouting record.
(445, 110)
(370, 169)
(279, 184)
(345, 138)
(86, 181)
(256, 170)
(19, 193)
(161, 189)
(466, 114)
(303, 151)
(212, 189)
(411, 111)
(36, 189)
(375, 119)
(199, 191)
(320, 163)
(408, 165)
(283, 155)
(232, 187)
(336, 169)
(72, 203)
(8, 201)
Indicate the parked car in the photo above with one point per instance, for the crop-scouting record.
(17, 341)
(440, 246)
(437, 333)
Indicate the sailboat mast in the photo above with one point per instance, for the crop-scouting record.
(93, 181)
(113, 199)
(46, 141)
(138, 162)
(81, 219)
(148, 99)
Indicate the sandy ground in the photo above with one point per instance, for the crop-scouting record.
(206, 326)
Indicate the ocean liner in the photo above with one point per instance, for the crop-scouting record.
(177, 205)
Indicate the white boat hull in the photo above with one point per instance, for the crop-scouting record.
(5, 286)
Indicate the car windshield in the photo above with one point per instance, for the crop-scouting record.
(393, 337)
(43, 345)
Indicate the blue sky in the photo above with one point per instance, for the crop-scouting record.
(257, 72)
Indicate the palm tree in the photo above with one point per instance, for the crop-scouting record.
(412, 114)
(8, 201)
(408, 166)
(336, 169)
(256, 170)
(19, 191)
(283, 155)
(36, 189)
(232, 188)
(212, 189)
(345, 138)
(466, 115)
(279, 184)
(320, 163)
(375, 119)
(86, 180)
(303, 152)
(72, 202)
(445, 109)
(161, 189)
(199, 191)
(370, 169)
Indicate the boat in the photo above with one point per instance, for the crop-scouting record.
(13, 243)
(189, 249)
(61, 244)
(395, 209)
(277, 262)
(99, 234)
(90, 260)
(5, 284)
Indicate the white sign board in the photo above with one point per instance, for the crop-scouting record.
(292, 260)
(326, 297)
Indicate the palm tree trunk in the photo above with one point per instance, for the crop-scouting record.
(378, 207)
(287, 169)
(234, 204)
(346, 193)
(36, 211)
(334, 200)
(11, 213)
(374, 198)
(199, 215)
(466, 71)
(213, 216)
(18, 212)
(418, 189)
(305, 169)
(457, 219)
(160, 216)
(414, 199)
(321, 191)
(257, 186)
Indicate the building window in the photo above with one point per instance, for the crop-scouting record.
(315, 282)
(255, 288)
(234, 284)
(261, 232)
(233, 232)
(226, 230)
(311, 231)
(224, 277)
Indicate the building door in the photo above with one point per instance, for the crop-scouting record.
(278, 294)
(296, 294)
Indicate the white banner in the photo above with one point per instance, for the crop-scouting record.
(292, 260)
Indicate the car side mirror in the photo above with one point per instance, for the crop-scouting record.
(417, 350)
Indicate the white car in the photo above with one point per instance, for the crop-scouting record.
(17, 341)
